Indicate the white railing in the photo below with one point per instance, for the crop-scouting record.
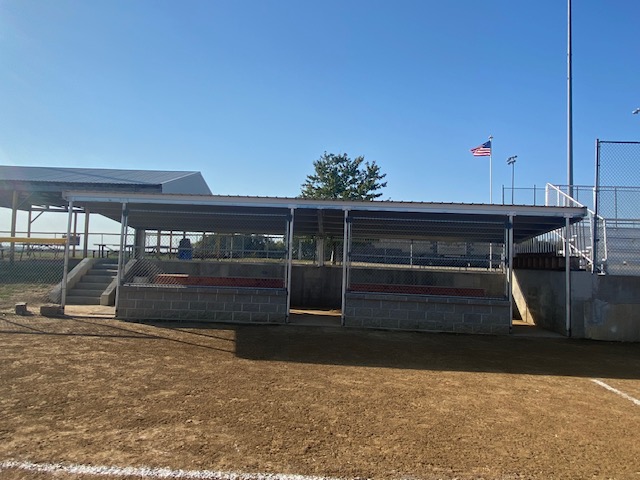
(581, 235)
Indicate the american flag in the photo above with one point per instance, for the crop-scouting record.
(483, 150)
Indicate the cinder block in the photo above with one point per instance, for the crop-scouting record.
(222, 316)
(241, 316)
(153, 294)
(353, 322)
(257, 317)
(435, 316)
(250, 307)
(462, 328)
(481, 309)
(417, 315)
(197, 305)
(179, 305)
(453, 318)
(484, 329)
(215, 306)
(363, 312)
(474, 318)
(369, 322)
(268, 308)
(406, 324)
(51, 311)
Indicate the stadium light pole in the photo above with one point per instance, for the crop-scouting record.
(512, 161)
(569, 106)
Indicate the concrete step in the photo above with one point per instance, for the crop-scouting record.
(88, 289)
(92, 278)
(80, 300)
(108, 267)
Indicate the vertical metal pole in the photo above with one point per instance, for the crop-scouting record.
(289, 260)
(596, 190)
(411, 254)
(85, 250)
(75, 233)
(569, 105)
(124, 220)
(510, 274)
(345, 261)
(29, 221)
(14, 219)
(491, 170)
(65, 268)
(506, 258)
(513, 173)
(567, 280)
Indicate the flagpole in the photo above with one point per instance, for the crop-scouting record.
(490, 169)
(490, 194)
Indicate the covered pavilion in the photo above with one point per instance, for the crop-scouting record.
(426, 290)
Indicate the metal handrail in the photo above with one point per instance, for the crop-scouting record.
(588, 251)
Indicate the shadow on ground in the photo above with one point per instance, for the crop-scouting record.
(363, 348)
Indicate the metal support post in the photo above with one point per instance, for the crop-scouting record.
(345, 260)
(289, 260)
(123, 236)
(65, 268)
(85, 249)
(567, 279)
(510, 271)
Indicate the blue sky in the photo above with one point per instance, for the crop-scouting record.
(251, 92)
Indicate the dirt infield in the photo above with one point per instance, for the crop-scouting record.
(314, 401)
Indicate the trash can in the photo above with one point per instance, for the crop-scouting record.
(185, 252)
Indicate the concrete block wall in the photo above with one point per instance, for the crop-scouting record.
(427, 313)
(236, 305)
(602, 307)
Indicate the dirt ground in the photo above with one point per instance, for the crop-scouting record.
(314, 401)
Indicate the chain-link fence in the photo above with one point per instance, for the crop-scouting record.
(437, 262)
(31, 271)
(618, 202)
(208, 258)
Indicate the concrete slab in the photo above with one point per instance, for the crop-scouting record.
(97, 311)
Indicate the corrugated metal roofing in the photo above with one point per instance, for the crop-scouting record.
(91, 175)
(43, 186)
(376, 219)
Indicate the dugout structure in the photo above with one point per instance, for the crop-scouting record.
(400, 265)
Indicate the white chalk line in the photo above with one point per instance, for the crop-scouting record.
(148, 472)
(616, 391)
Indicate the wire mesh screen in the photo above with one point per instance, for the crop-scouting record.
(31, 272)
(437, 262)
(209, 258)
(618, 202)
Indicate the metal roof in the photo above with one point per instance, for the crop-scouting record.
(43, 186)
(370, 219)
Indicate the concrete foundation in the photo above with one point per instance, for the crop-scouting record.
(602, 307)
(428, 313)
(236, 305)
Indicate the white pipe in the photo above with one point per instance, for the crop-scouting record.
(63, 299)
(567, 280)
(510, 274)
(345, 259)
(123, 233)
(289, 262)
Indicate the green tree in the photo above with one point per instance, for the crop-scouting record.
(338, 176)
